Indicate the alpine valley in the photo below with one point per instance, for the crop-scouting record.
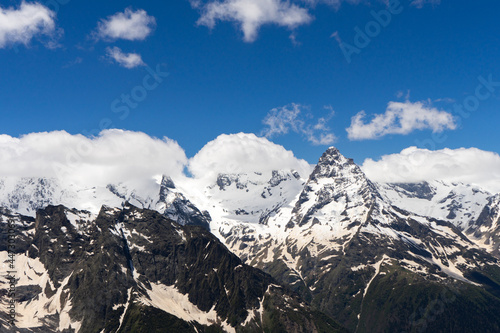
(260, 251)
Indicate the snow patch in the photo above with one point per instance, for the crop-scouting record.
(170, 300)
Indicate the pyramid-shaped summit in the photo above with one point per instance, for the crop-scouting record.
(336, 187)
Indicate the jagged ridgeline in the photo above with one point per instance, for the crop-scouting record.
(346, 246)
(134, 270)
(261, 251)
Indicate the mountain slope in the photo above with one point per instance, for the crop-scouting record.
(341, 235)
(233, 199)
(132, 269)
(486, 228)
(456, 203)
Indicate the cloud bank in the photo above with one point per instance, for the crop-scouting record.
(127, 60)
(112, 157)
(467, 165)
(288, 118)
(116, 156)
(250, 15)
(129, 25)
(400, 118)
(23, 24)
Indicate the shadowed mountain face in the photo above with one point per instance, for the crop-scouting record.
(133, 270)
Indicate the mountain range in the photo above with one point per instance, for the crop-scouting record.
(261, 251)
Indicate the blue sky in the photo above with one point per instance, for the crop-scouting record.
(289, 72)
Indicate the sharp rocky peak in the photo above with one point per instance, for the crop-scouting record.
(340, 173)
(336, 180)
(333, 164)
(167, 182)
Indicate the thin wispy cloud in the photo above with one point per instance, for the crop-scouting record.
(30, 20)
(127, 60)
(333, 3)
(128, 25)
(290, 118)
(400, 118)
(337, 3)
(250, 15)
(76, 61)
(401, 94)
(421, 3)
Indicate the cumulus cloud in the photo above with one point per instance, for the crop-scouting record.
(116, 156)
(243, 153)
(400, 118)
(250, 15)
(288, 118)
(21, 25)
(129, 25)
(127, 60)
(112, 157)
(467, 165)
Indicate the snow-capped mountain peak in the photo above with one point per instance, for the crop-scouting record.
(337, 188)
(457, 203)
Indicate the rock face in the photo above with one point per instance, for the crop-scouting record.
(486, 228)
(134, 270)
(174, 205)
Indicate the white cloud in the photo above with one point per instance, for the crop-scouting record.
(281, 120)
(127, 60)
(252, 14)
(467, 165)
(116, 156)
(400, 118)
(112, 157)
(122, 156)
(21, 25)
(128, 25)
(243, 153)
